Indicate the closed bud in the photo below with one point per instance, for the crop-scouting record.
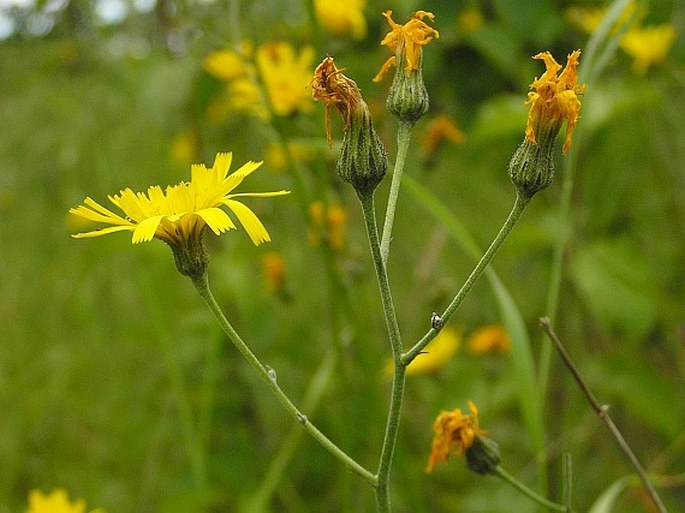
(531, 169)
(483, 457)
(408, 98)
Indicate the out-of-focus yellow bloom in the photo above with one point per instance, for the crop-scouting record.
(489, 339)
(470, 20)
(56, 501)
(184, 147)
(434, 357)
(182, 211)
(277, 73)
(286, 76)
(437, 353)
(440, 128)
(648, 45)
(342, 18)
(275, 154)
(273, 268)
(455, 432)
(406, 42)
(554, 99)
(226, 65)
(328, 223)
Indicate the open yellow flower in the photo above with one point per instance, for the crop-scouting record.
(648, 45)
(56, 501)
(406, 42)
(489, 339)
(181, 211)
(285, 75)
(455, 432)
(554, 99)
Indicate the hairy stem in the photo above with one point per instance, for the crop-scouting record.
(398, 379)
(270, 377)
(514, 216)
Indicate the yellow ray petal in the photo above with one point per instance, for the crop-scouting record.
(253, 226)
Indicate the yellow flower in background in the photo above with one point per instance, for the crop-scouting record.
(554, 99)
(56, 501)
(489, 339)
(470, 20)
(277, 74)
(181, 212)
(406, 42)
(328, 223)
(286, 75)
(273, 269)
(437, 353)
(226, 65)
(184, 147)
(455, 432)
(440, 128)
(341, 19)
(648, 45)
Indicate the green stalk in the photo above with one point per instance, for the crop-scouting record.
(507, 477)
(403, 138)
(269, 376)
(516, 211)
(398, 379)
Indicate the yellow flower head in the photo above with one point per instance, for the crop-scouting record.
(56, 501)
(328, 223)
(182, 211)
(554, 99)
(226, 65)
(334, 89)
(455, 432)
(437, 353)
(286, 75)
(342, 18)
(489, 339)
(406, 42)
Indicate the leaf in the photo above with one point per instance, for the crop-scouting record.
(605, 502)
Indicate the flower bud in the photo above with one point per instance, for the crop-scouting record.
(483, 457)
(408, 98)
(190, 255)
(531, 169)
(363, 160)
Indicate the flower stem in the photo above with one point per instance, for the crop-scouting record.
(603, 412)
(506, 476)
(516, 211)
(403, 137)
(269, 376)
(398, 379)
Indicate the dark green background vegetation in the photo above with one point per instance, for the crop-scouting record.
(91, 331)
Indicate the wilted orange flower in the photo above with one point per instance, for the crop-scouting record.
(489, 339)
(455, 432)
(406, 42)
(334, 89)
(554, 99)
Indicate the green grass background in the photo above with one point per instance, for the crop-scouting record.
(116, 384)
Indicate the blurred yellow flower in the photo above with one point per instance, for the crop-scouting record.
(554, 99)
(406, 42)
(277, 73)
(184, 147)
(342, 18)
(648, 45)
(470, 20)
(489, 339)
(455, 432)
(328, 223)
(440, 128)
(56, 501)
(273, 268)
(276, 154)
(286, 76)
(181, 212)
(434, 357)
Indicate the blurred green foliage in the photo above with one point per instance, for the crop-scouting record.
(91, 331)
